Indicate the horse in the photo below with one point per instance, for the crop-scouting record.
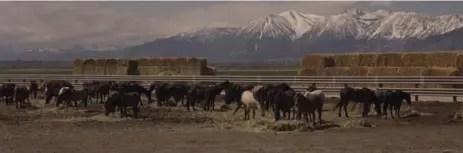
(195, 95)
(363, 95)
(65, 94)
(249, 102)
(8, 92)
(52, 88)
(212, 92)
(392, 99)
(176, 91)
(21, 94)
(283, 101)
(34, 88)
(308, 103)
(80, 95)
(233, 94)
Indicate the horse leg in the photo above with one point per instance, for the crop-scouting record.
(345, 109)
(239, 103)
(390, 110)
(135, 111)
(397, 109)
(385, 105)
(246, 112)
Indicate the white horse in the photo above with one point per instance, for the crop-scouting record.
(249, 102)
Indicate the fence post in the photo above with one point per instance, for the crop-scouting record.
(416, 96)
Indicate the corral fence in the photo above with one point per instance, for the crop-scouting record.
(330, 84)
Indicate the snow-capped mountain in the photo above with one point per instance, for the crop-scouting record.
(291, 34)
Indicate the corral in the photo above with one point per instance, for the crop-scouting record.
(385, 64)
(48, 129)
(143, 66)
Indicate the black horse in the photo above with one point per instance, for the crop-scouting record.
(177, 91)
(212, 92)
(8, 92)
(52, 88)
(195, 95)
(283, 100)
(233, 94)
(134, 87)
(392, 99)
(21, 96)
(363, 95)
(34, 88)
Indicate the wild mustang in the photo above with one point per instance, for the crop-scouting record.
(233, 94)
(122, 101)
(52, 88)
(21, 96)
(195, 95)
(362, 95)
(8, 92)
(212, 92)
(283, 101)
(176, 91)
(65, 94)
(250, 103)
(392, 99)
(306, 104)
(261, 94)
(34, 88)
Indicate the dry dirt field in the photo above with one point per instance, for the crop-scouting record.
(47, 129)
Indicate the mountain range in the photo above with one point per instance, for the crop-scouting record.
(290, 35)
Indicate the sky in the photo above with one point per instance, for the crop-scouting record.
(52, 24)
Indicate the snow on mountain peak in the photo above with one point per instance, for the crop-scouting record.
(302, 23)
(351, 23)
(270, 26)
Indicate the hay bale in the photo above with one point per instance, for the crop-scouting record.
(317, 62)
(443, 59)
(309, 72)
(415, 60)
(346, 60)
(78, 67)
(389, 60)
(367, 59)
(439, 71)
(89, 66)
(411, 71)
(122, 65)
(383, 71)
(208, 71)
(111, 66)
(459, 61)
(345, 71)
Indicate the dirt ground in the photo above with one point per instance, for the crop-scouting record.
(47, 129)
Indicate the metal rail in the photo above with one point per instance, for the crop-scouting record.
(298, 82)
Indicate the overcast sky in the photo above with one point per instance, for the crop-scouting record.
(135, 22)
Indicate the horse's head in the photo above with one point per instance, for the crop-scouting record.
(406, 96)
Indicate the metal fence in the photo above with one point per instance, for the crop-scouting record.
(298, 82)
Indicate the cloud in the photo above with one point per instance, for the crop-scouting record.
(50, 24)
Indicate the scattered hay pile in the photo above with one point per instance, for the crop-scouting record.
(143, 66)
(385, 64)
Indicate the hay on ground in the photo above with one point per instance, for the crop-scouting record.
(389, 60)
(416, 60)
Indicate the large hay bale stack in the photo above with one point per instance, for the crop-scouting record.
(122, 65)
(367, 59)
(443, 59)
(389, 60)
(89, 67)
(100, 67)
(346, 60)
(144, 66)
(383, 71)
(439, 71)
(346, 71)
(78, 67)
(317, 62)
(459, 61)
(111, 67)
(411, 71)
(416, 59)
(308, 72)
